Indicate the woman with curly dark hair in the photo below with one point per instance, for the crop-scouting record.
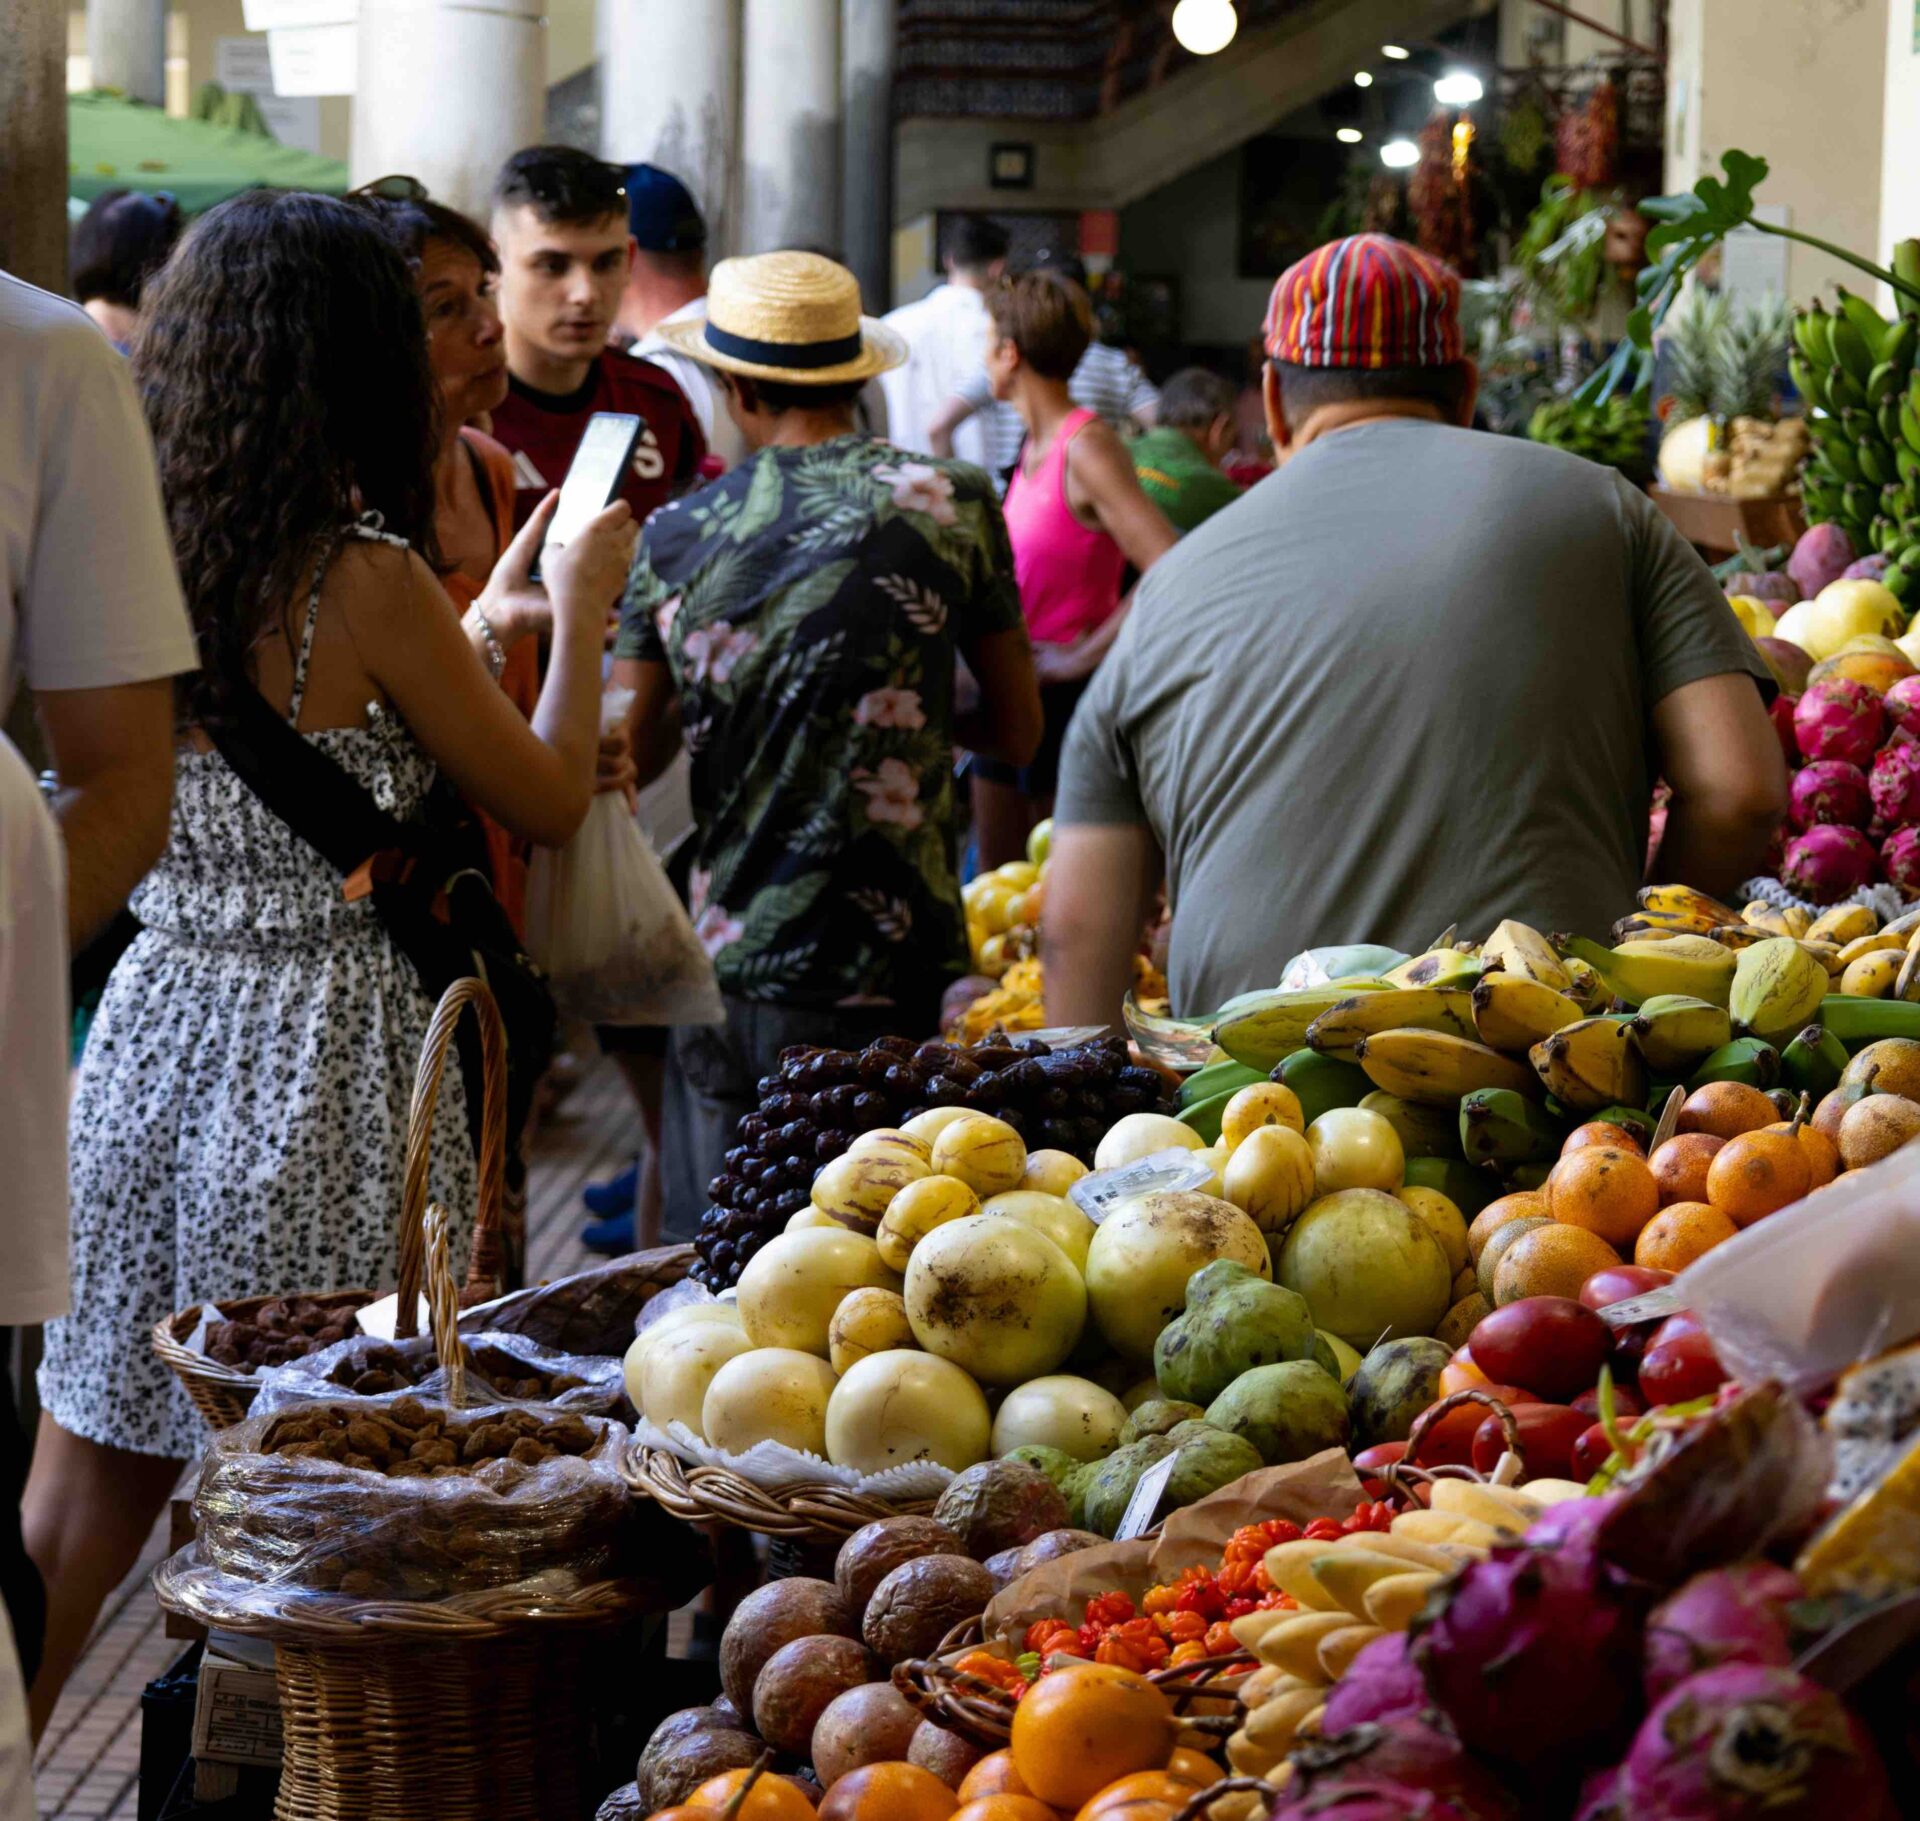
(239, 1123)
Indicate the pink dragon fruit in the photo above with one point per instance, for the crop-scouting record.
(1729, 1615)
(1902, 703)
(1838, 718)
(1831, 790)
(1380, 1684)
(1573, 1521)
(1896, 783)
(1900, 860)
(1828, 863)
(1534, 1651)
(1821, 556)
(1747, 1742)
(1422, 1769)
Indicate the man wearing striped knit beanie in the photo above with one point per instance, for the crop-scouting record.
(1421, 676)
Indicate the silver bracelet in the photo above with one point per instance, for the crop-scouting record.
(496, 654)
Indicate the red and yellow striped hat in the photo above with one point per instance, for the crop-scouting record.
(1366, 301)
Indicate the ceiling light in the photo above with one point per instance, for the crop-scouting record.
(1399, 154)
(1363, 79)
(1205, 26)
(1398, 52)
(1458, 88)
(1349, 135)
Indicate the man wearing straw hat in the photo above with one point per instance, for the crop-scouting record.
(796, 624)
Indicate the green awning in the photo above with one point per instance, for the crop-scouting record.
(113, 143)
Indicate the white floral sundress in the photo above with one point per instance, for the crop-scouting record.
(239, 1126)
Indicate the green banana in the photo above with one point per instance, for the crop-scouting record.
(1806, 381)
(1339, 1029)
(1856, 1020)
(1695, 966)
(1227, 1077)
(1321, 1083)
(1851, 349)
(1425, 1131)
(1840, 458)
(1886, 414)
(1270, 1026)
(1676, 1031)
(1593, 1064)
(1812, 1063)
(1813, 331)
(1906, 263)
(1498, 1126)
(1875, 457)
(1469, 1189)
(1777, 987)
(1745, 1059)
(1898, 344)
(1204, 1115)
(1632, 1119)
(1909, 424)
(1843, 389)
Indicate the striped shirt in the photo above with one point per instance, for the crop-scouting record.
(1107, 380)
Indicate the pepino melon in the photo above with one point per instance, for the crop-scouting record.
(1368, 1267)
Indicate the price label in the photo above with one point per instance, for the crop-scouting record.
(1666, 1300)
(1147, 1493)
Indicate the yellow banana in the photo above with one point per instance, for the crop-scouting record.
(1413, 1555)
(1872, 976)
(1511, 1012)
(1348, 1573)
(1738, 935)
(1262, 1682)
(1664, 923)
(1683, 898)
(1443, 1527)
(1775, 919)
(1676, 1034)
(1290, 1568)
(1499, 1506)
(1272, 1725)
(1555, 1492)
(1394, 1602)
(1338, 1030)
(1777, 988)
(1590, 1065)
(1588, 990)
(1514, 948)
(1250, 1760)
(1295, 1646)
(1339, 1648)
(1436, 1069)
(1843, 923)
(1437, 967)
(1904, 925)
(1252, 1629)
(1826, 953)
(1273, 1025)
(1700, 967)
(1875, 942)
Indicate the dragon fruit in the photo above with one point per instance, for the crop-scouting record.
(1729, 1615)
(1380, 1684)
(1745, 1742)
(1900, 861)
(1831, 790)
(1838, 718)
(1423, 1769)
(1870, 568)
(1573, 1521)
(1600, 1797)
(1821, 556)
(1895, 783)
(1534, 1651)
(1828, 863)
(1902, 703)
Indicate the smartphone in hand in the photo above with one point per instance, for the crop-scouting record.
(599, 466)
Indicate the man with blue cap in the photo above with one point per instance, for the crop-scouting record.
(668, 284)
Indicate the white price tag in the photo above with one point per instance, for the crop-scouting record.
(1666, 1300)
(1147, 1493)
(1097, 1196)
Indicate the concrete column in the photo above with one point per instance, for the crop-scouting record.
(1900, 135)
(127, 46)
(670, 95)
(866, 145)
(446, 91)
(33, 143)
(790, 125)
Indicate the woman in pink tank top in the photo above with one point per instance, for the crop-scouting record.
(1076, 517)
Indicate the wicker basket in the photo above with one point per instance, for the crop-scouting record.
(802, 1513)
(223, 1394)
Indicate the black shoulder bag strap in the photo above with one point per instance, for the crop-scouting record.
(441, 915)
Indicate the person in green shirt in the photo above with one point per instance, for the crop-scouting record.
(1178, 461)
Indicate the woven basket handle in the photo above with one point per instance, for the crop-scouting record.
(484, 1267)
(443, 1303)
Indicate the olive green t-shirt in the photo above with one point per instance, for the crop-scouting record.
(1405, 683)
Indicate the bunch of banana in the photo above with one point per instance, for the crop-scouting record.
(1262, 1028)
(1357, 1588)
(1338, 1030)
(1778, 985)
(1615, 433)
(1592, 1065)
(1434, 1068)
(1651, 967)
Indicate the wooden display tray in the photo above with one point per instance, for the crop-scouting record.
(1720, 524)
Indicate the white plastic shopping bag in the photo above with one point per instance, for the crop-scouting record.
(604, 922)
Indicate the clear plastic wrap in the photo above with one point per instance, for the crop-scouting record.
(303, 1519)
(604, 921)
(501, 1368)
(592, 1311)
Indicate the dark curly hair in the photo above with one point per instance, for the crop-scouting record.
(283, 366)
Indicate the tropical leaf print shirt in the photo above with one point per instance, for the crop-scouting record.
(808, 605)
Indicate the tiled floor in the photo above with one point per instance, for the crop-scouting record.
(90, 1759)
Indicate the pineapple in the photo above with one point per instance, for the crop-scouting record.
(1694, 329)
(1745, 363)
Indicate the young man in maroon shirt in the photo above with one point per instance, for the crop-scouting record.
(560, 223)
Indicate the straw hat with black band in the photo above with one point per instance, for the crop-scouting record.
(790, 317)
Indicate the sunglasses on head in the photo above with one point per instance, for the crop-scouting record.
(398, 188)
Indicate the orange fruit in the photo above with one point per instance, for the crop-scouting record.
(1496, 1214)
(1609, 1191)
(772, 1798)
(994, 1775)
(890, 1791)
(1727, 1109)
(1602, 1132)
(1680, 1166)
(1005, 1808)
(1756, 1174)
(1195, 1766)
(1554, 1260)
(1461, 1374)
(1077, 1730)
(1141, 1786)
(1680, 1233)
(1823, 1154)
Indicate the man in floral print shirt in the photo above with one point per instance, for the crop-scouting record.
(796, 624)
